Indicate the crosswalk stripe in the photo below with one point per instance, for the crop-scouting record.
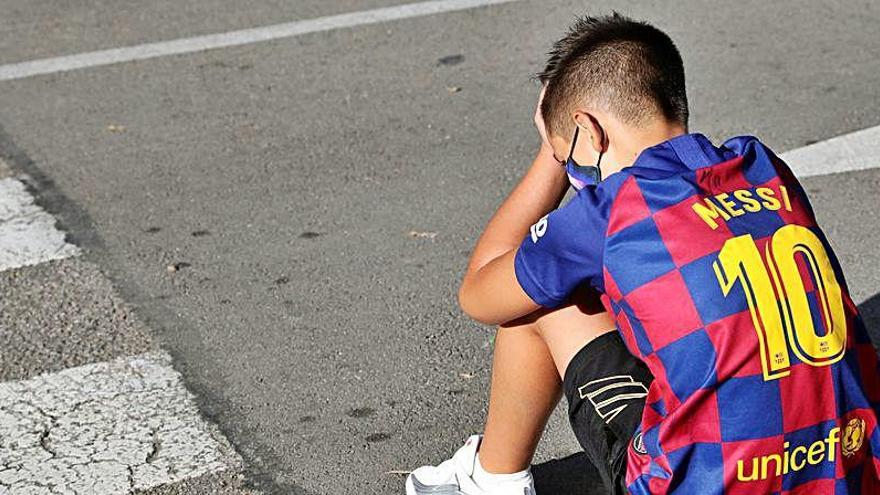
(105, 428)
(27, 233)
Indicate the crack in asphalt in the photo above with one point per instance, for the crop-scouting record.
(137, 427)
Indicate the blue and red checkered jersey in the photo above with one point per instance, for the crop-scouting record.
(721, 281)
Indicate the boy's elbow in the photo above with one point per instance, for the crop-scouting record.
(471, 306)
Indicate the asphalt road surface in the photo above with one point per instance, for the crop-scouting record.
(289, 219)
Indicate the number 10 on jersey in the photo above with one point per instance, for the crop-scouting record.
(777, 297)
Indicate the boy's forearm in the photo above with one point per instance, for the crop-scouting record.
(537, 193)
(489, 292)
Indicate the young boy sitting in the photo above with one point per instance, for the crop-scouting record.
(731, 358)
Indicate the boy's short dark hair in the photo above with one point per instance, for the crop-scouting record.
(625, 67)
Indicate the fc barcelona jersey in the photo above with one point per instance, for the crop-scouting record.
(720, 280)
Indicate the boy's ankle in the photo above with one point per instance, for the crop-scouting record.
(500, 460)
(487, 480)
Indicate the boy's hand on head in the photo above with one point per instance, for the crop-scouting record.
(541, 126)
(490, 291)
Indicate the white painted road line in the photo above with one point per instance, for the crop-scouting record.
(27, 233)
(858, 150)
(105, 428)
(235, 38)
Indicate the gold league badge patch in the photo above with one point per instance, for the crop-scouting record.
(853, 436)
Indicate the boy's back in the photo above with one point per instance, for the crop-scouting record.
(723, 284)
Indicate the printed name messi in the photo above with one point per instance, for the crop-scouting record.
(741, 202)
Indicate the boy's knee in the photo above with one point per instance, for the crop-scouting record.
(571, 320)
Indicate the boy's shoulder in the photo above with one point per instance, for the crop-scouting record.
(677, 169)
(683, 155)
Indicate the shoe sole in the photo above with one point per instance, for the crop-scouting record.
(416, 487)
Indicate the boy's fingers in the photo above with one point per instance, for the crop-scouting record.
(539, 118)
(540, 100)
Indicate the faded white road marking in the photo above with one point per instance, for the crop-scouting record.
(112, 427)
(858, 150)
(234, 38)
(27, 233)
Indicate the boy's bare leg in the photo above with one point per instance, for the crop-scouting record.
(530, 357)
(567, 330)
(524, 390)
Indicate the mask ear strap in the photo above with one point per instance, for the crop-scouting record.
(601, 153)
(574, 141)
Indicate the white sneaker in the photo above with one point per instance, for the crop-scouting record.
(455, 477)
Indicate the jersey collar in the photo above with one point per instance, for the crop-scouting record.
(681, 153)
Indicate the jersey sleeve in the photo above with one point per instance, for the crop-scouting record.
(562, 251)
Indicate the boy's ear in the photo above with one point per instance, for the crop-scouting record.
(589, 125)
